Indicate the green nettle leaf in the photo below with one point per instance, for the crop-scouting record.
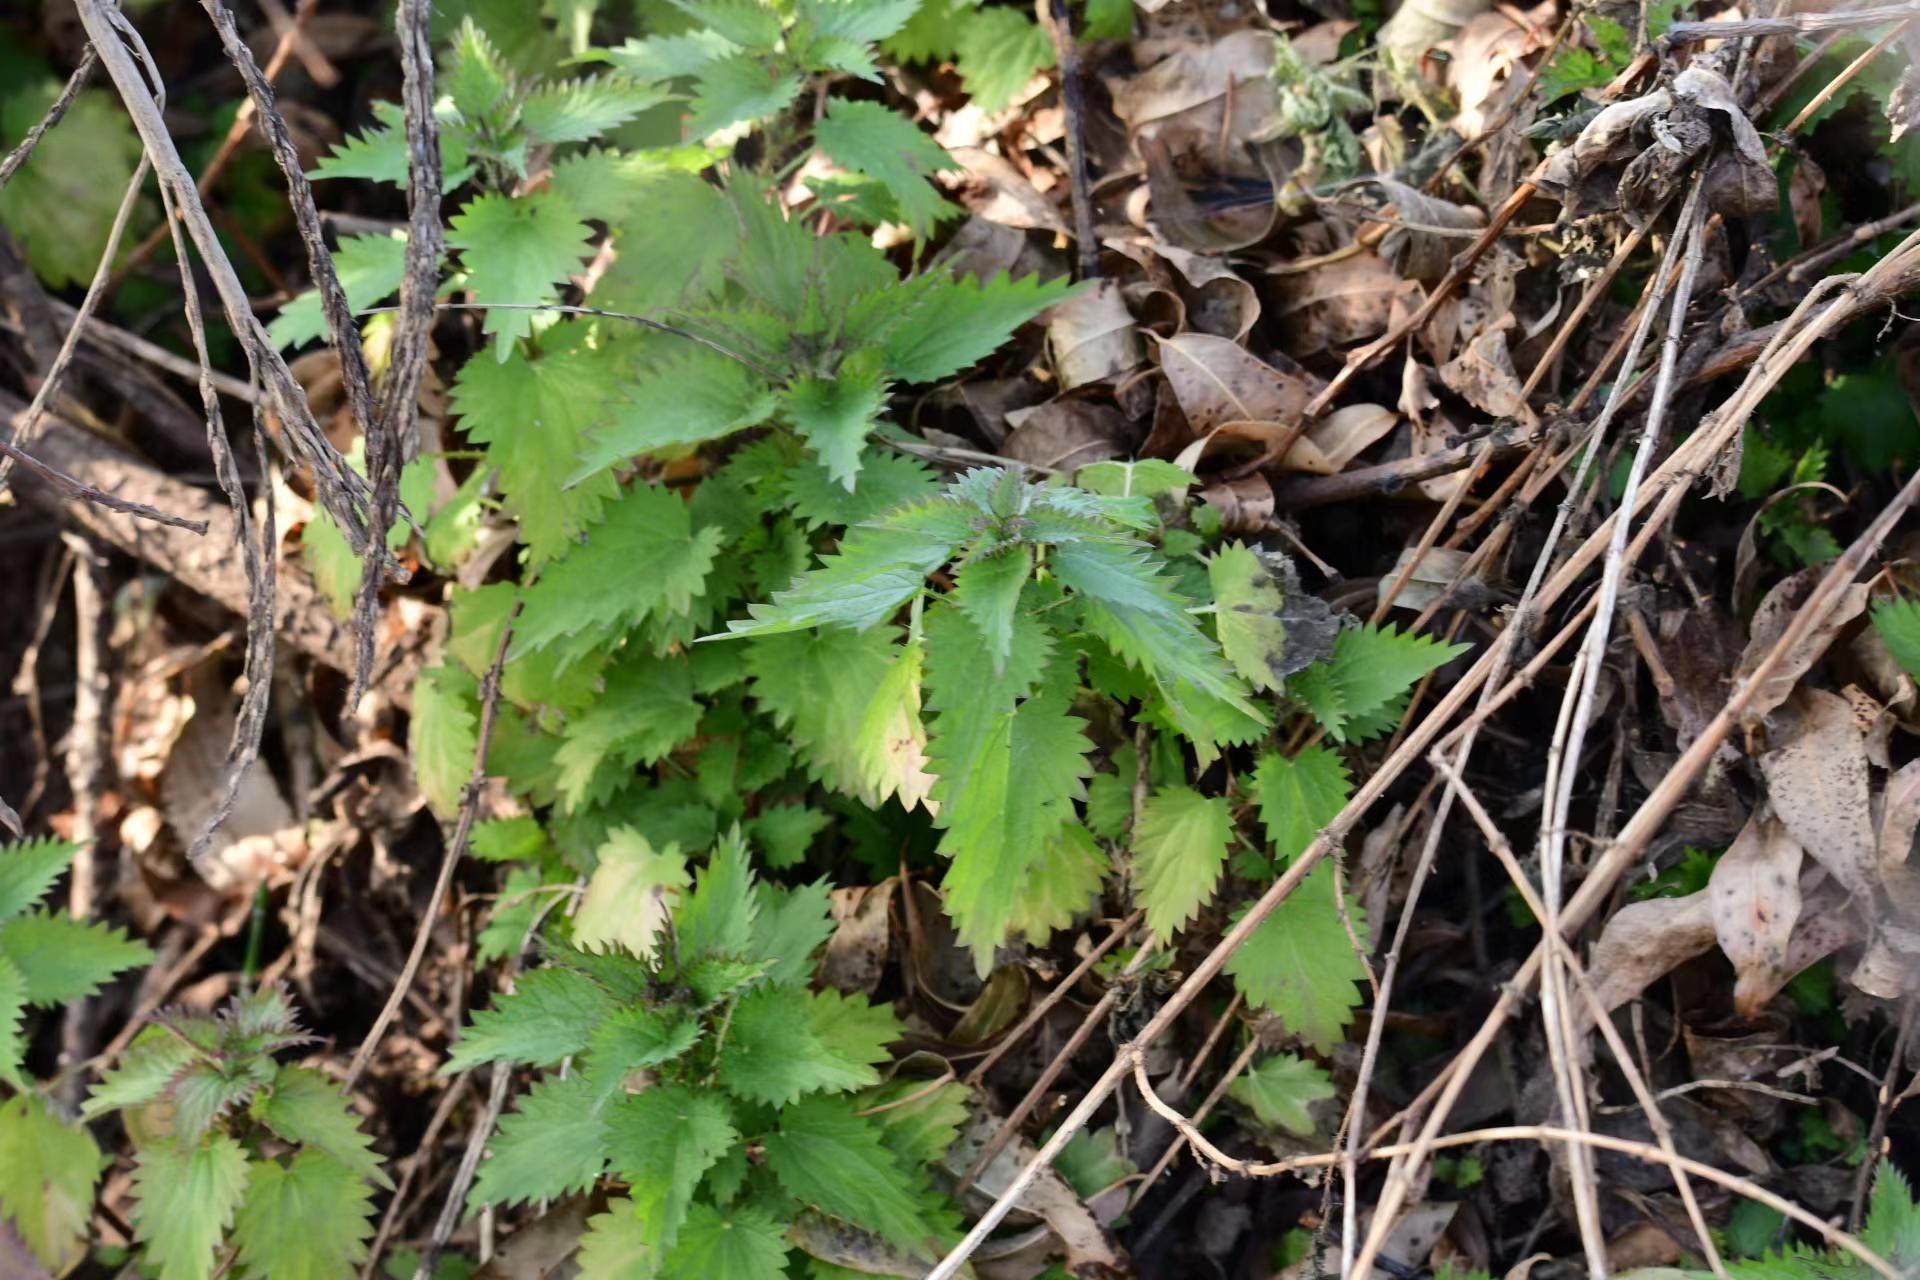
(1355, 693)
(28, 869)
(817, 686)
(554, 1144)
(739, 89)
(1181, 849)
(872, 139)
(379, 152)
(582, 110)
(717, 917)
(309, 1219)
(1278, 1089)
(834, 414)
(890, 746)
(631, 895)
(1300, 964)
(478, 80)
(784, 1043)
(634, 1039)
(741, 1243)
(305, 1107)
(662, 1141)
(155, 1057)
(47, 1175)
(370, 267)
(1062, 883)
(534, 417)
(61, 204)
(1145, 478)
(63, 959)
(784, 832)
(13, 1006)
(443, 736)
(1299, 797)
(861, 585)
(644, 559)
(1009, 769)
(646, 710)
(988, 589)
(789, 925)
(185, 1198)
(1251, 607)
(998, 51)
(695, 396)
(550, 1015)
(517, 249)
(834, 1160)
(956, 322)
(1896, 621)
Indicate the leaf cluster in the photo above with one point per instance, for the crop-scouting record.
(241, 1161)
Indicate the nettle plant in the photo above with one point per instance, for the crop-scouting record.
(741, 1112)
(740, 618)
(239, 1156)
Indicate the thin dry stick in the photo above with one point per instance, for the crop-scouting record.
(1884, 1103)
(1846, 75)
(75, 83)
(85, 769)
(463, 1176)
(456, 848)
(1565, 749)
(1649, 1106)
(393, 431)
(1239, 1064)
(140, 85)
(1789, 24)
(1052, 998)
(442, 1112)
(1018, 1116)
(87, 493)
(1652, 813)
(110, 335)
(343, 335)
(1595, 289)
(1073, 100)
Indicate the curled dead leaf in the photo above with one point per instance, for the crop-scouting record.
(1413, 251)
(1217, 381)
(1088, 1246)
(1484, 377)
(1336, 304)
(856, 955)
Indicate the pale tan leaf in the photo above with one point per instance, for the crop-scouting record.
(1484, 377)
(1645, 941)
(1218, 381)
(1092, 336)
(1755, 894)
(1066, 434)
(1771, 620)
(1817, 779)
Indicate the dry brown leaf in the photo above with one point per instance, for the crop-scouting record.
(998, 192)
(1087, 1243)
(1202, 99)
(1218, 381)
(1066, 434)
(1740, 181)
(986, 249)
(1645, 941)
(1818, 780)
(1218, 301)
(1585, 175)
(1771, 620)
(1483, 376)
(1755, 894)
(1900, 817)
(1337, 304)
(1245, 505)
(1342, 436)
(856, 955)
(994, 1009)
(1417, 254)
(1430, 577)
(1091, 336)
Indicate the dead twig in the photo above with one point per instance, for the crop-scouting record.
(75, 83)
